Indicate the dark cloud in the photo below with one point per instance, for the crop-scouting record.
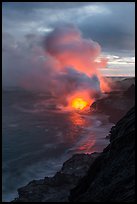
(113, 27)
(115, 31)
(31, 6)
(109, 36)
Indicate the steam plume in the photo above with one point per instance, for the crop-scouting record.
(68, 64)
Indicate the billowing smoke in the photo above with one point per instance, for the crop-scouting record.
(78, 62)
(64, 63)
(70, 49)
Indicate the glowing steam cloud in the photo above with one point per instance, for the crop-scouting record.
(78, 64)
(63, 63)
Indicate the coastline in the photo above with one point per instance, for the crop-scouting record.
(77, 174)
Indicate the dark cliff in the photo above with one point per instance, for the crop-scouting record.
(57, 188)
(116, 103)
(111, 176)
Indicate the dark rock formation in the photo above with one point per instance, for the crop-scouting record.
(125, 83)
(111, 176)
(130, 92)
(115, 104)
(57, 188)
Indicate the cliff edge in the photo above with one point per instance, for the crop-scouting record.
(111, 176)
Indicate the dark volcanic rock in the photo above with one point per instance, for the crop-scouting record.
(130, 92)
(115, 104)
(111, 176)
(57, 188)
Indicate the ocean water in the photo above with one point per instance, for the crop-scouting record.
(37, 137)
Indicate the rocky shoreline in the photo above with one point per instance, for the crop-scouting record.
(111, 176)
(116, 103)
(57, 188)
(97, 177)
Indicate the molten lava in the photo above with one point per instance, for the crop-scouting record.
(79, 103)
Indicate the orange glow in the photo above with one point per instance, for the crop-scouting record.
(77, 119)
(79, 103)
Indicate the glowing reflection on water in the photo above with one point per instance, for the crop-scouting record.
(77, 119)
